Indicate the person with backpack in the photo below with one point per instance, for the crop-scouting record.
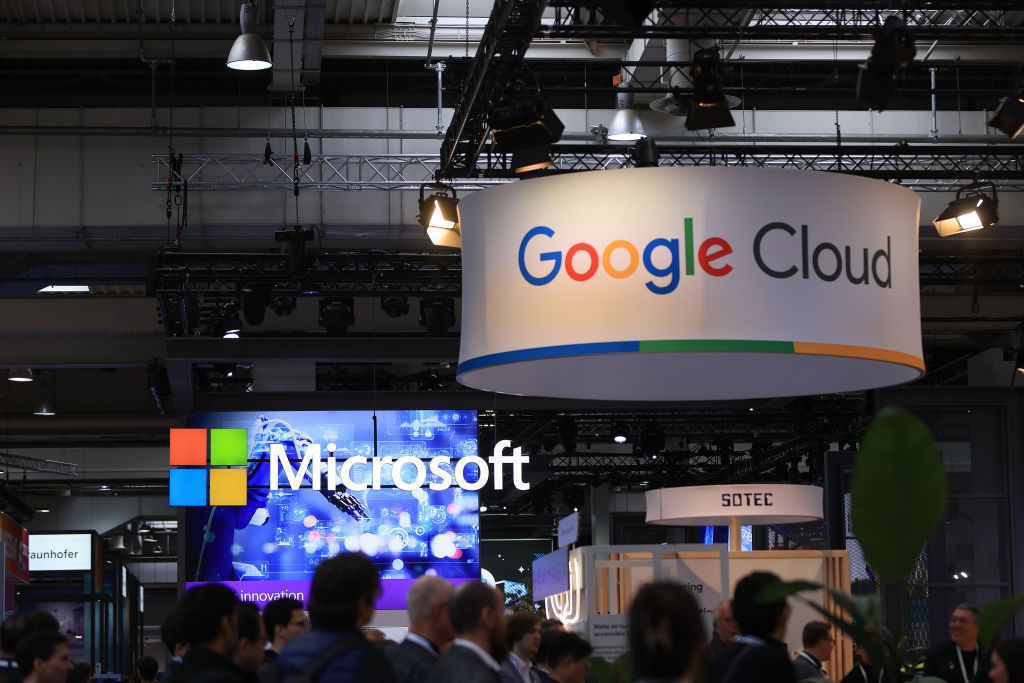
(342, 600)
(209, 619)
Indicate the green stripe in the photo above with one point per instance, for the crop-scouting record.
(688, 244)
(698, 345)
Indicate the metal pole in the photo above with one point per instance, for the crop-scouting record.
(439, 68)
(935, 108)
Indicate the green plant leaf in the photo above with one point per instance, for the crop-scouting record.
(785, 589)
(993, 617)
(899, 492)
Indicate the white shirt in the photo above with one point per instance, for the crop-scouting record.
(523, 667)
(422, 642)
(480, 652)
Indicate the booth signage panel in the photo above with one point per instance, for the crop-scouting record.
(748, 503)
(690, 283)
(551, 574)
(60, 552)
(568, 530)
(15, 539)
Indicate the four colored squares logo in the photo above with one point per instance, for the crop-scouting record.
(209, 467)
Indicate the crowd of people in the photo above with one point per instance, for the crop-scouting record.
(463, 635)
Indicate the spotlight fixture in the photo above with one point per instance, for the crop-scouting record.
(971, 210)
(527, 161)
(229, 326)
(337, 315)
(645, 153)
(253, 300)
(439, 214)
(283, 305)
(249, 52)
(708, 107)
(652, 439)
(395, 306)
(293, 243)
(520, 117)
(1009, 116)
(620, 432)
(437, 315)
(892, 52)
(45, 406)
(567, 433)
(19, 375)
(626, 125)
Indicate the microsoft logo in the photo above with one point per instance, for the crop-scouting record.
(209, 467)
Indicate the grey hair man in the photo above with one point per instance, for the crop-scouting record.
(430, 630)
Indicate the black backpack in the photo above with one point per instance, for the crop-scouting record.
(310, 673)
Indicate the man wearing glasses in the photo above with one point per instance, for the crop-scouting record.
(818, 646)
(285, 621)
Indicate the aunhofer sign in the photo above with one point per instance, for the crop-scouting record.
(690, 283)
(60, 552)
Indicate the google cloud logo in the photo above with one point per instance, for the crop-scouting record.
(209, 467)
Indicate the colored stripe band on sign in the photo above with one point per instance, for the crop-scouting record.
(693, 346)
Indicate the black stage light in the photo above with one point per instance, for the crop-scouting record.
(645, 153)
(437, 314)
(229, 326)
(527, 161)
(652, 439)
(567, 434)
(971, 210)
(439, 214)
(336, 315)
(253, 299)
(283, 305)
(708, 107)
(293, 243)
(1009, 116)
(620, 432)
(520, 117)
(395, 306)
(892, 53)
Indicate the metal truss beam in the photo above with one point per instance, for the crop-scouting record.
(25, 462)
(510, 28)
(923, 167)
(790, 21)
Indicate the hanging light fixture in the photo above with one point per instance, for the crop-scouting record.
(45, 405)
(20, 375)
(1009, 116)
(971, 210)
(249, 52)
(626, 125)
(709, 107)
(533, 159)
(439, 214)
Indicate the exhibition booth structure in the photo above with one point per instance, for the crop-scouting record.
(98, 604)
(591, 588)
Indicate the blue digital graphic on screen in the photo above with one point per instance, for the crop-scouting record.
(284, 534)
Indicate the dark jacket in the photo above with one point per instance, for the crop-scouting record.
(462, 665)
(202, 665)
(360, 662)
(411, 661)
(857, 676)
(942, 662)
(9, 671)
(805, 669)
(741, 663)
(268, 672)
(510, 674)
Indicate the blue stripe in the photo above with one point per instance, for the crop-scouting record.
(547, 352)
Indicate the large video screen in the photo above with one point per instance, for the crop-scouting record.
(276, 541)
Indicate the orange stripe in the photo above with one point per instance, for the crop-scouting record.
(868, 352)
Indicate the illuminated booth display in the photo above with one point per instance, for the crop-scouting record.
(269, 542)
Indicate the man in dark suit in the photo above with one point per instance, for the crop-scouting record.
(430, 630)
(818, 646)
(478, 616)
(959, 659)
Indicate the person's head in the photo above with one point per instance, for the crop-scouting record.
(546, 637)
(173, 637)
(666, 633)
(552, 625)
(754, 616)
(477, 612)
(14, 628)
(41, 620)
(878, 636)
(724, 624)
(43, 657)
(208, 617)
(963, 627)
(344, 592)
(568, 657)
(1007, 661)
(147, 668)
(522, 634)
(818, 639)
(427, 606)
(284, 621)
(252, 638)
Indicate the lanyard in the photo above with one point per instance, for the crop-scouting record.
(864, 673)
(813, 661)
(963, 667)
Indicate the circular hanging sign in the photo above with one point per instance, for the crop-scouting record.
(689, 284)
(747, 503)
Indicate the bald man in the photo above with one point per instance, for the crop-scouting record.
(430, 630)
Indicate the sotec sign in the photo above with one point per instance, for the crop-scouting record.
(690, 283)
(60, 552)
